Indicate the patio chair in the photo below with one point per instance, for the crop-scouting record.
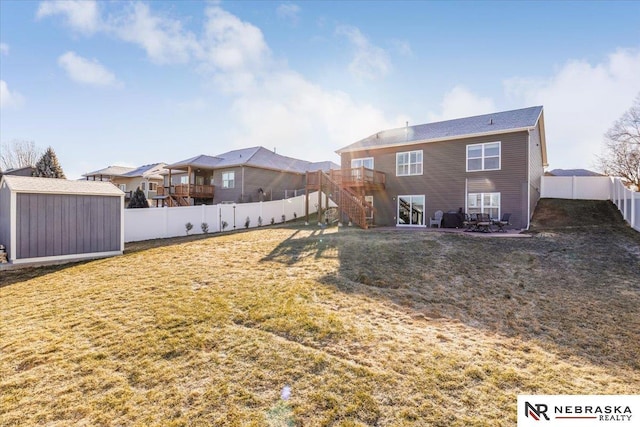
(502, 222)
(469, 222)
(437, 219)
(484, 223)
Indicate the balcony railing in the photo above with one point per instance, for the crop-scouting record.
(358, 177)
(187, 190)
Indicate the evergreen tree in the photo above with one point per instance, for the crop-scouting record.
(138, 199)
(48, 166)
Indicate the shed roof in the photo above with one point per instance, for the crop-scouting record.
(25, 184)
(499, 122)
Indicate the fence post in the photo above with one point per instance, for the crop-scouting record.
(573, 187)
(633, 209)
(166, 222)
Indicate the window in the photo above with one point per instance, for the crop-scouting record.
(411, 210)
(484, 203)
(184, 179)
(369, 208)
(199, 180)
(228, 179)
(123, 187)
(367, 162)
(153, 186)
(409, 163)
(483, 157)
(143, 186)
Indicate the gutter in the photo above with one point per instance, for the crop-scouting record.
(429, 140)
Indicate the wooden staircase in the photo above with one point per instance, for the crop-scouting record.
(173, 201)
(350, 204)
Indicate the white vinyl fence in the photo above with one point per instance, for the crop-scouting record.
(155, 223)
(595, 188)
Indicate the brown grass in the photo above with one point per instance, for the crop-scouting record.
(366, 327)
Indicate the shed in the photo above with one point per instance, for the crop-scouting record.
(46, 219)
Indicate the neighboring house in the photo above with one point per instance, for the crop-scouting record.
(147, 177)
(491, 163)
(23, 171)
(239, 176)
(572, 172)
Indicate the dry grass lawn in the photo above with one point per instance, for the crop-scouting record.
(372, 327)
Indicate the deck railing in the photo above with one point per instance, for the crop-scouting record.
(354, 177)
(187, 190)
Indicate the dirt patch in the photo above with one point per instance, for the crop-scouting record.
(559, 213)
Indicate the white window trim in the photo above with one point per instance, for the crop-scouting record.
(362, 159)
(369, 199)
(424, 219)
(482, 205)
(227, 180)
(483, 156)
(409, 153)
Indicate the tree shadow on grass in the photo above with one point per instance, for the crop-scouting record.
(575, 292)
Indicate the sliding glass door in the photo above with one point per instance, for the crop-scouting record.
(411, 210)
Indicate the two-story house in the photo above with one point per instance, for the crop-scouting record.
(491, 163)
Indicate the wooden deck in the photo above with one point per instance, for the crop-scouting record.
(356, 178)
(188, 190)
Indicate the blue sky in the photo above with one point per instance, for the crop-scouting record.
(131, 83)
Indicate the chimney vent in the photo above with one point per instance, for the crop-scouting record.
(491, 121)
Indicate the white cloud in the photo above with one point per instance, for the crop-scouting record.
(164, 39)
(81, 15)
(231, 44)
(289, 12)
(460, 102)
(9, 99)
(4, 49)
(86, 71)
(369, 62)
(308, 121)
(272, 105)
(402, 47)
(581, 101)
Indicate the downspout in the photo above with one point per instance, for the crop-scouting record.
(528, 178)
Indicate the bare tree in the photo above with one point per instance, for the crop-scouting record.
(19, 153)
(622, 147)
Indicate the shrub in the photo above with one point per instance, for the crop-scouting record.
(138, 200)
(205, 227)
(224, 225)
(247, 222)
(273, 220)
(284, 218)
(188, 226)
(259, 221)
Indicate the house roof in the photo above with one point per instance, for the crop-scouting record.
(572, 172)
(26, 184)
(259, 157)
(486, 124)
(148, 171)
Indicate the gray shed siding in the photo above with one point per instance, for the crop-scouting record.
(5, 218)
(444, 177)
(51, 225)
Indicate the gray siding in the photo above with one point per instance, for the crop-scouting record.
(444, 176)
(273, 183)
(536, 170)
(5, 219)
(56, 224)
